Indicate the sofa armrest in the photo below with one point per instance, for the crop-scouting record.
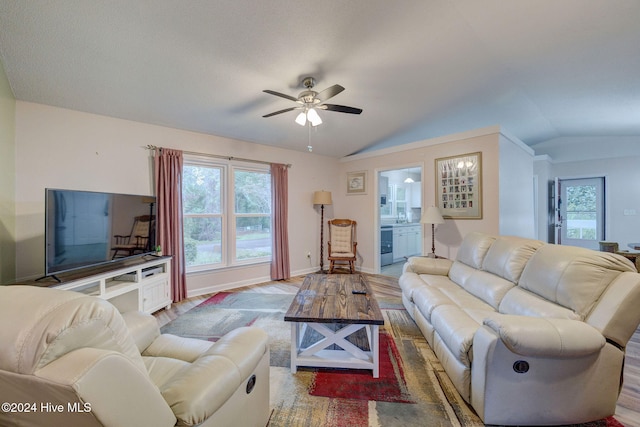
(543, 337)
(200, 389)
(426, 265)
(142, 327)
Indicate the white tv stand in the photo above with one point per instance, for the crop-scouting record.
(140, 284)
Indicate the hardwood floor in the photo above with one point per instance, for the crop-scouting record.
(627, 411)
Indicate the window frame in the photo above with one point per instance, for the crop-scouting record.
(227, 212)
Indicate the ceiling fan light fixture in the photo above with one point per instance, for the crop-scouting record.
(313, 117)
(301, 119)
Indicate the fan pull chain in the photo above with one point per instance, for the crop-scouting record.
(309, 147)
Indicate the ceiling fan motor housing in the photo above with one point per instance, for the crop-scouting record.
(308, 97)
(309, 82)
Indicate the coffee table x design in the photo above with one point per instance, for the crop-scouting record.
(336, 306)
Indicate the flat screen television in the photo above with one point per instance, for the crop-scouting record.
(86, 228)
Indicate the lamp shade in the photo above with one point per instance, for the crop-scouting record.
(301, 119)
(322, 198)
(313, 117)
(432, 216)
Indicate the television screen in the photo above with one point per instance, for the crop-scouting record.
(85, 228)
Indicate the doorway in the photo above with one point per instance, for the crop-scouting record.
(580, 211)
(399, 211)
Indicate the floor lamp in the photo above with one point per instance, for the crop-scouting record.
(432, 216)
(322, 198)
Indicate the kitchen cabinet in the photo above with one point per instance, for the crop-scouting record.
(407, 241)
(416, 195)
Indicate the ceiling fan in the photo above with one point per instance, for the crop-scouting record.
(310, 101)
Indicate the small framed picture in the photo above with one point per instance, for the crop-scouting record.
(357, 182)
(459, 186)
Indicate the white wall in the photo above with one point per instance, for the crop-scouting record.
(581, 148)
(7, 180)
(622, 176)
(62, 148)
(517, 215)
(542, 170)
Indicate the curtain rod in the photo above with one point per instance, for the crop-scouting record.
(217, 156)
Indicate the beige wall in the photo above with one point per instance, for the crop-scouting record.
(60, 148)
(7, 180)
(364, 208)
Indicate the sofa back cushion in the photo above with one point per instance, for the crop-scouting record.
(572, 277)
(474, 248)
(43, 324)
(508, 256)
(488, 267)
(487, 286)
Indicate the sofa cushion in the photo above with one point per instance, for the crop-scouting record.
(456, 328)
(488, 287)
(484, 285)
(508, 256)
(570, 276)
(408, 282)
(525, 303)
(428, 298)
(474, 248)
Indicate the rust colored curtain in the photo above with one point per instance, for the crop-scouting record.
(280, 269)
(168, 177)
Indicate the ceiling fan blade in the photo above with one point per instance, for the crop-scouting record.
(341, 108)
(281, 111)
(329, 92)
(281, 95)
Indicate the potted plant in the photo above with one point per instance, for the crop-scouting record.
(159, 250)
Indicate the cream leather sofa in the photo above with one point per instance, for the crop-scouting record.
(529, 333)
(72, 360)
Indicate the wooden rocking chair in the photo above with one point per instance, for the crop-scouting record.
(137, 241)
(342, 243)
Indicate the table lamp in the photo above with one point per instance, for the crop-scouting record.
(432, 216)
(322, 198)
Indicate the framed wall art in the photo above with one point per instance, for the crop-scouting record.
(357, 182)
(459, 186)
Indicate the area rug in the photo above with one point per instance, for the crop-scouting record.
(412, 390)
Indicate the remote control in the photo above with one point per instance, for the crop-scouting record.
(357, 292)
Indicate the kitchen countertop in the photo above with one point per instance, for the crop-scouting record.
(404, 224)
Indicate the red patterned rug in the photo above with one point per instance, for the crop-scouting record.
(412, 389)
(391, 385)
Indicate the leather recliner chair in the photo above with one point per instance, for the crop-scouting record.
(71, 359)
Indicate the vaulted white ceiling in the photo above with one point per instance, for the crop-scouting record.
(542, 69)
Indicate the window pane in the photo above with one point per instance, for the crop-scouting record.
(201, 190)
(252, 192)
(253, 237)
(202, 240)
(581, 212)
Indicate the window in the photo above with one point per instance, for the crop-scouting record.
(581, 203)
(227, 214)
(252, 214)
